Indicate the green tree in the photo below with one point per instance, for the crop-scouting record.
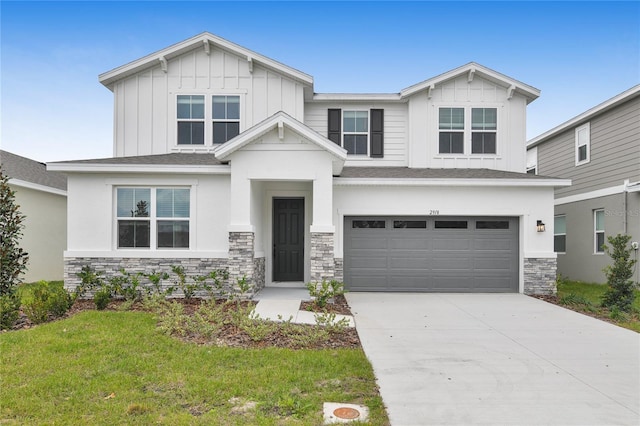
(14, 259)
(620, 293)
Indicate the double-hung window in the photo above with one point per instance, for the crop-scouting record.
(598, 229)
(484, 124)
(190, 120)
(560, 234)
(451, 125)
(355, 132)
(152, 217)
(360, 132)
(226, 118)
(583, 144)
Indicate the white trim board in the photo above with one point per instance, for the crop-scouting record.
(37, 187)
(590, 195)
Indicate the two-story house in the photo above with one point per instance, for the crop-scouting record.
(224, 158)
(599, 150)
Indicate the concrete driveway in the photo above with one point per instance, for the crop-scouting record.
(461, 359)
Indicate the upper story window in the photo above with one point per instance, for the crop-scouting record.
(153, 217)
(226, 118)
(190, 120)
(583, 144)
(197, 124)
(560, 234)
(454, 128)
(360, 132)
(451, 125)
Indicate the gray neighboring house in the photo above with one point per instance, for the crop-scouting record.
(42, 197)
(599, 150)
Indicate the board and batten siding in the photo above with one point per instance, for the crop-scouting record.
(144, 114)
(615, 152)
(395, 129)
(479, 93)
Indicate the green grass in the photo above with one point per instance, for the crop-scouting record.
(107, 368)
(587, 297)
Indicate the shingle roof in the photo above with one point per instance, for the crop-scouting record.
(414, 173)
(176, 158)
(25, 169)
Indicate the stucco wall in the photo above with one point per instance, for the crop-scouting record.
(45, 232)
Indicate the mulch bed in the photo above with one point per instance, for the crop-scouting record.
(230, 336)
(601, 314)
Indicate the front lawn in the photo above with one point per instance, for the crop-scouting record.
(587, 298)
(106, 368)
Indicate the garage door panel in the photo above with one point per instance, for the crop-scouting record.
(481, 257)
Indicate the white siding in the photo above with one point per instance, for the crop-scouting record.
(479, 93)
(144, 117)
(395, 129)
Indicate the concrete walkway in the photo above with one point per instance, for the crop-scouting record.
(461, 359)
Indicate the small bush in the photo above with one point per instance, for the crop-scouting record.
(620, 293)
(45, 299)
(9, 310)
(329, 322)
(322, 292)
(101, 298)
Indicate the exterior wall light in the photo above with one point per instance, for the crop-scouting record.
(540, 226)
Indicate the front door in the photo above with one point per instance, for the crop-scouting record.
(288, 239)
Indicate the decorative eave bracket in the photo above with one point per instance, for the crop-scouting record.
(280, 130)
(429, 90)
(510, 91)
(472, 71)
(207, 47)
(250, 62)
(163, 63)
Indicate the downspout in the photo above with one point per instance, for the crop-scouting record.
(625, 193)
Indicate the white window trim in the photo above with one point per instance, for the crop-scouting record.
(368, 111)
(595, 232)
(561, 233)
(468, 131)
(153, 219)
(208, 117)
(587, 127)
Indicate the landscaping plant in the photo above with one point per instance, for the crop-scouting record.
(620, 293)
(13, 259)
(324, 291)
(43, 300)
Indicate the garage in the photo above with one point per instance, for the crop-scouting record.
(431, 254)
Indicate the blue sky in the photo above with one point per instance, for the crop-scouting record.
(53, 108)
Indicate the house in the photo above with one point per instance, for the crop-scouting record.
(42, 197)
(599, 150)
(224, 158)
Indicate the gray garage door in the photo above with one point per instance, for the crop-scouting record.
(431, 254)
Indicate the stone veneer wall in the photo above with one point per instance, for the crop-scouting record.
(242, 262)
(110, 266)
(259, 272)
(338, 269)
(322, 260)
(540, 275)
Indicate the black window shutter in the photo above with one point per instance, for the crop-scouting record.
(377, 133)
(334, 132)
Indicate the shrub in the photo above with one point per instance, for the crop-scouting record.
(90, 280)
(13, 259)
(620, 293)
(45, 299)
(102, 297)
(9, 310)
(324, 291)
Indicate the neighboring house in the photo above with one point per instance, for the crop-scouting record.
(42, 197)
(599, 150)
(226, 158)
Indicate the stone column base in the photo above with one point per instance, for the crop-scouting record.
(540, 276)
(322, 260)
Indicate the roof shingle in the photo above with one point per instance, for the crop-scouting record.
(25, 169)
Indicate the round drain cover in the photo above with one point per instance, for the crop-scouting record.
(346, 413)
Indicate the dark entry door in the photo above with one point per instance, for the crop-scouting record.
(288, 239)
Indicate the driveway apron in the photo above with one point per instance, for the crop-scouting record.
(462, 359)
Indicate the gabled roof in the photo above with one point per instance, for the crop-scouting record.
(471, 69)
(279, 121)
(204, 41)
(586, 116)
(26, 171)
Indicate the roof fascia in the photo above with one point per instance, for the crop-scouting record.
(585, 116)
(138, 168)
(37, 187)
(161, 56)
(452, 182)
(355, 97)
(276, 121)
(529, 92)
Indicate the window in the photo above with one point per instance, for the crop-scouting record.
(450, 224)
(451, 125)
(560, 234)
(483, 130)
(583, 144)
(492, 224)
(598, 224)
(190, 120)
(410, 224)
(153, 217)
(368, 224)
(226, 118)
(355, 125)
(360, 132)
